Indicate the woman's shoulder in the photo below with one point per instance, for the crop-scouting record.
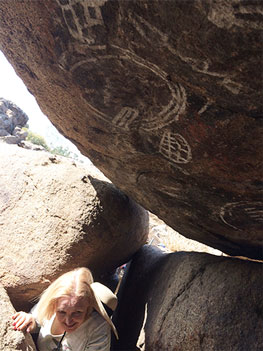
(96, 324)
(95, 321)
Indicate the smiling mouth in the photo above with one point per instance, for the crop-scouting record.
(70, 326)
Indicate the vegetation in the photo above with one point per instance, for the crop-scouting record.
(59, 150)
(39, 140)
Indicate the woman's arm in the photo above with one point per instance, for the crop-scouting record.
(24, 321)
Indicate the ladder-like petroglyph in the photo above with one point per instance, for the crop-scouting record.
(81, 16)
(175, 148)
(125, 117)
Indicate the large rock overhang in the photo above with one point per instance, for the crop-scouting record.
(165, 97)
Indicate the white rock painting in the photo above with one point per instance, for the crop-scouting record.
(251, 212)
(175, 148)
(172, 145)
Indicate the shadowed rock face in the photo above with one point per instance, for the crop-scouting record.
(189, 302)
(164, 97)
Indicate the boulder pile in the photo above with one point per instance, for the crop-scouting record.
(55, 215)
(12, 120)
(165, 98)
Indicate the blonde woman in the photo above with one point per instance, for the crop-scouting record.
(71, 315)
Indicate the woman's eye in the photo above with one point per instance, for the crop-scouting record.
(61, 312)
(77, 313)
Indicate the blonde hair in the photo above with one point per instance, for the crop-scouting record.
(74, 283)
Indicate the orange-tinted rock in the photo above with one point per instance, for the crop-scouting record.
(57, 214)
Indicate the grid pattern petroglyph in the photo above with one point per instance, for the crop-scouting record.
(81, 16)
(175, 148)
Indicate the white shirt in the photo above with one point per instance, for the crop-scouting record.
(93, 335)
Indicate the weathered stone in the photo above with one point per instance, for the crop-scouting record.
(10, 139)
(11, 340)
(11, 116)
(22, 134)
(190, 302)
(12, 119)
(164, 97)
(30, 146)
(56, 214)
(3, 132)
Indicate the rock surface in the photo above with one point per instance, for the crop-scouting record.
(12, 119)
(55, 215)
(11, 340)
(190, 302)
(165, 99)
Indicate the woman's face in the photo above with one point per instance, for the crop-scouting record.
(71, 312)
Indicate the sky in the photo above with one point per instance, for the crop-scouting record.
(12, 88)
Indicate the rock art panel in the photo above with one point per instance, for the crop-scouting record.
(164, 99)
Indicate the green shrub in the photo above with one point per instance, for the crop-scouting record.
(37, 140)
(59, 150)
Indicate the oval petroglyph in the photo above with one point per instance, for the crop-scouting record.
(178, 98)
(175, 148)
(243, 214)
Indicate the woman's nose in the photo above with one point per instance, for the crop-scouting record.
(68, 319)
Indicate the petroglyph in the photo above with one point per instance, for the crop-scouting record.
(125, 117)
(232, 86)
(197, 65)
(171, 191)
(238, 215)
(205, 107)
(81, 16)
(177, 104)
(166, 114)
(226, 14)
(175, 148)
